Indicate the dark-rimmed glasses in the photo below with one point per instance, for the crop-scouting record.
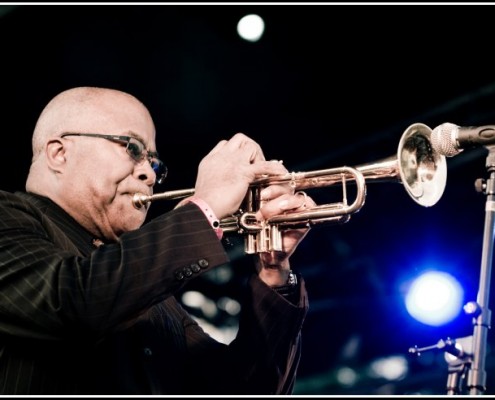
(136, 150)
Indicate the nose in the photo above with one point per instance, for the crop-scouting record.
(145, 172)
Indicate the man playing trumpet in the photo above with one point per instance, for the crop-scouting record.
(88, 287)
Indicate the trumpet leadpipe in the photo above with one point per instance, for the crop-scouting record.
(139, 199)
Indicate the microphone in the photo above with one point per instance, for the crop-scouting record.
(449, 139)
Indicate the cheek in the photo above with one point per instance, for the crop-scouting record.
(91, 172)
(111, 162)
(105, 180)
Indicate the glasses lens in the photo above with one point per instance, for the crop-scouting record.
(160, 169)
(135, 149)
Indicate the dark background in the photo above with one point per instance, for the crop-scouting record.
(326, 86)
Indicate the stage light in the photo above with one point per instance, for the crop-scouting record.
(230, 306)
(346, 376)
(197, 300)
(251, 27)
(392, 368)
(434, 298)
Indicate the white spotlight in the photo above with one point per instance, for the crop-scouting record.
(251, 27)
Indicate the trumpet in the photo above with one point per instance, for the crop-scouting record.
(421, 170)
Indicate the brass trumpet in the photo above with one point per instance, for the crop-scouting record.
(421, 170)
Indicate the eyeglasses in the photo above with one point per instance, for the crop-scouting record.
(136, 150)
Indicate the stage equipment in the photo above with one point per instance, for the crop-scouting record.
(467, 356)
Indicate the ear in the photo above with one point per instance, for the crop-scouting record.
(55, 152)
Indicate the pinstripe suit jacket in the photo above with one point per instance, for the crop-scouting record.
(77, 319)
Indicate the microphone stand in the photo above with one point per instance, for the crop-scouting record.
(458, 355)
(476, 377)
(466, 356)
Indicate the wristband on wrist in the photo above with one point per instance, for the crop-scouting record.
(212, 218)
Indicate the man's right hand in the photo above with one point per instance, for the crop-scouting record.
(225, 173)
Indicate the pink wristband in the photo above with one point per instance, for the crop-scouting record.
(215, 223)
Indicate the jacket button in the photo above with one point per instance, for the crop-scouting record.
(179, 275)
(147, 351)
(195, 267)
(203, 263)
(187, 271)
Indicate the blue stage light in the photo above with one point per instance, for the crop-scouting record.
(435, 298)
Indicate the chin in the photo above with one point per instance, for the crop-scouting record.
(131, 221)
(134, 223)
(127, 217)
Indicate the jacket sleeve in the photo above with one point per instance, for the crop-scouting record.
(49, 290)
(264, 356)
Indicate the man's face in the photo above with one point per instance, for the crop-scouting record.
(101, 177)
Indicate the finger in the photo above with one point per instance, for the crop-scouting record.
(220, 145)
(274, 191)
(239, 142)
(267, 168)
(247, 147)
(283, 204)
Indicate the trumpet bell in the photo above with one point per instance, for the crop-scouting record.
(423, 171)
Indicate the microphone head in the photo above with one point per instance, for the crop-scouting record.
(444, 139)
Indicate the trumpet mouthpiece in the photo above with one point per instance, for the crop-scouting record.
(139, 200)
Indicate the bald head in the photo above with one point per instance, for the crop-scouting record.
(81, 109)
